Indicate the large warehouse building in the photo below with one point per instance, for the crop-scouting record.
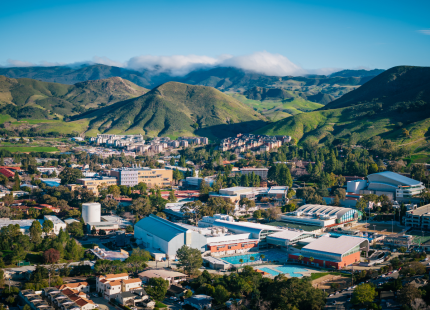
(393, 183)
(321, 215)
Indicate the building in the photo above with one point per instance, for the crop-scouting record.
(91, 212)
(393, 184)
(157, 234)
(112, 285)
(130, 298)
(106, 226)
(77, 286)
(151, 177)
(321, 215)
(173, 277)
(58, 224)
(199, 301)
(419, 217)
(208, 221)
(329, 251)
(110, 255)
(399, 240)
(95, 183)
(24, 225)
(261, 172)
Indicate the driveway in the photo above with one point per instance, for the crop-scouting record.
(103, 303)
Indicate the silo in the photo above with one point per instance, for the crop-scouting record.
(91, 212)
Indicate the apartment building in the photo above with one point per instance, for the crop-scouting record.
(261, 172)
(93, 184)
(135, 175)
(419, 217)
(112, 286)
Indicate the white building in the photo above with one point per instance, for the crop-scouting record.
(58, 224)
(91, 212)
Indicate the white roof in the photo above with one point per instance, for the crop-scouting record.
(288, 234)
(339, 245)
(161, 273)
(53, 219)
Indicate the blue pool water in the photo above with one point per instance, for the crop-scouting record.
(51, 183)
(268, 256)
(291, 271)
(339, 235)
(268, 270)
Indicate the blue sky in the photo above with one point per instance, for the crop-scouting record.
(311, 34)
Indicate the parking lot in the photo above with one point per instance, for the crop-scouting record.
(103, 303)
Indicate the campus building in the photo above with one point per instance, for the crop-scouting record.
(329, 251)
(321, 215)
(394, 185)
(419, 217)
(93, 184)
(151, 177)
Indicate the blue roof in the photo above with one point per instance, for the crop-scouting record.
(160, 227)
(396, 177)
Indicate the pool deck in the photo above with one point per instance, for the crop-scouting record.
(306, 273)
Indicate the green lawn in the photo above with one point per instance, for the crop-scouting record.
(318, 275)
(160, 305)
(417, 159)
(24, 149)
(5, 118)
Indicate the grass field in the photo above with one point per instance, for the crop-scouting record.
(389, 229)
(277, 110)
(27, 149)
(417, 159)
(5, 118)
(419, 237)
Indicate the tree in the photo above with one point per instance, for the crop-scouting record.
(221, 294)
(70, 175)
(364, 294)
(172, 161)
(109, 204)
(413, 268)
(47, 226)
(76, 229)
(51, 256)
(188, 294)
(340, 192)
(257, 214)
(36, 232)
(114, 190)
(190, 259)
(172, 197)
(274, 212)
(102, 232)
(291, 193)
(129, 229)
(408, 294)
(8, 200)
(17, 182)
(157, 288)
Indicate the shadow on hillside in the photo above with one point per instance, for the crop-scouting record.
(229, 130)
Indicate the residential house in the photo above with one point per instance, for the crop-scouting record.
(77, 286)
(199, 301)
(132, 297)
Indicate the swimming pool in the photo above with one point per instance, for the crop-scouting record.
(268, 270)
(291, 271)
(268, 256)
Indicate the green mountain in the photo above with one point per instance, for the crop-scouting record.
(175, 109)
(29, 98)
(262, 93)
(394, 105)
(357, 73)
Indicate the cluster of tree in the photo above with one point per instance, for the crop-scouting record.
(55, 247)
(134, 263)
(259, 292)
(195, 210)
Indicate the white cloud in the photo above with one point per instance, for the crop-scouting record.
(425, 31)
(18, 63)
(265, 63)
(176, 64)
(106, 61)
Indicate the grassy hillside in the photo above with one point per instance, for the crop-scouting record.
(29, 98)
(395, 105)
(278, 109)
(174, 109)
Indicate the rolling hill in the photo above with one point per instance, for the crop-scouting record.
(175, 109)
(33, 99)
(394, 105)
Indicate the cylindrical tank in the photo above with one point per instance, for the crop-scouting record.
(91, 212)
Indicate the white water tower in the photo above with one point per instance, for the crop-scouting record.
(91, 212)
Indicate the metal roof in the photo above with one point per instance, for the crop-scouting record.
(333, 245)
(245, 226)
(287, 235)
(160, 227)
(395, 177)
(323, 210)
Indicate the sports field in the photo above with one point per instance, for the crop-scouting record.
(385, 229)
(27, 149)
(420, 236)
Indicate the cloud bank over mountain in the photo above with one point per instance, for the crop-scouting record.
(178, 65)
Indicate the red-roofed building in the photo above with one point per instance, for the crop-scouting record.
(7, 172)
(53, 209)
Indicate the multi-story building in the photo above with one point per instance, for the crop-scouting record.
(93, 184)
(112, 285)
(261, 172)
(261, 143)
(151, 177)
(419, 217)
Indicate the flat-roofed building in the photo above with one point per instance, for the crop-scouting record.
(173, 277)
(321, 215)
(419, 217)
(329, 251)
(151, 177)
(261, 172)
(93, 184)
